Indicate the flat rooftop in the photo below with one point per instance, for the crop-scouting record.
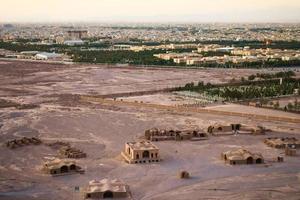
(103, 185)
(143, 145)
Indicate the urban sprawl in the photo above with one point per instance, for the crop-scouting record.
(229, 45)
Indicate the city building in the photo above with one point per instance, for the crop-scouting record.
(73, 42)
(77, 34)
(48, 56)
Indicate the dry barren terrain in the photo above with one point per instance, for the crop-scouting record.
(101, 131)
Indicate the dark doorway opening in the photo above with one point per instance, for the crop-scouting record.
(73, 167)
(250, 160)
(146, 154)
(108, 194)
(64, 169)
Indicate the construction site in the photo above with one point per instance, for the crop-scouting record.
(74, 120)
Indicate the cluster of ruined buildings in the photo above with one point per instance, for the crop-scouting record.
(144, 151)
(55, 166)
(242, 156)
(289, 144)
(218, 129)
(283, 142)
(156, 134)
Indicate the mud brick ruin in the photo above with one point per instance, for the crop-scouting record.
(219, 129)
(25, 141)
(61, 167)
(106, 189)
(281, 143)
(242, 156)
(71, 152)
(155, 134)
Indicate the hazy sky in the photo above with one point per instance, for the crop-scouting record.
(150, 10)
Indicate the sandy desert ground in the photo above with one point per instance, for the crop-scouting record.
(102, 130)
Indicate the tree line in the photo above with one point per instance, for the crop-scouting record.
(248, 89)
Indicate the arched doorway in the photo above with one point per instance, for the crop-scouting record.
(195, 134)
(250, 160)
(64, 169)
(72, 167)
(108, 194)
(146, 154)
(258, 161)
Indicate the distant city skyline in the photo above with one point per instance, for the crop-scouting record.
(235, 11)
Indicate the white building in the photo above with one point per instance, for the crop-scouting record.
(73, 42)
(48, 56)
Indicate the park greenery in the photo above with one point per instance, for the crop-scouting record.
(268, 86)
(282, 74)
(124, 57)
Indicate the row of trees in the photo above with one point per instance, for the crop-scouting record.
(287, 74)
(252, 92)
(246, 90)
(130, 57)
(20, 46)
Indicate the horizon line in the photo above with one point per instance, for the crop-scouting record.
(149, 22)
